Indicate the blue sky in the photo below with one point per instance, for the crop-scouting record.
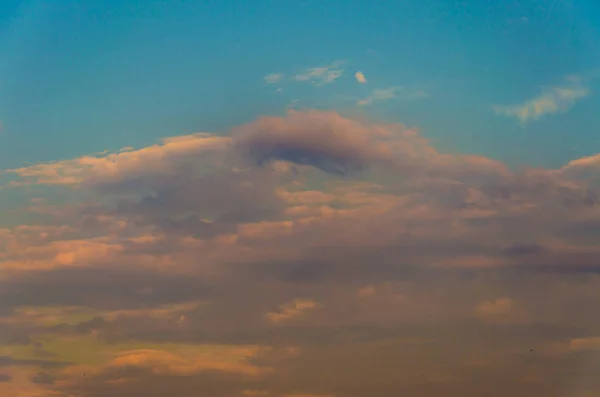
(79, 76)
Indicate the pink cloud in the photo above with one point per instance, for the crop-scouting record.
(410, 248)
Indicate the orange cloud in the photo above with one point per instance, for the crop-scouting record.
(162, 362)
(291, 310)
(360, 77)
(154, 160)
(497, 307)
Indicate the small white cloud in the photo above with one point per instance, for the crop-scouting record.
(380, 95)
(274, 78)
(360, 77)
(558, 99)
(385, 94)
(321, 75)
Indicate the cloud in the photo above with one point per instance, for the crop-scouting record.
(274, 78)
(590, 343)
(380, 95)
(360, 77)
(43, 378)
(291, 310)
(255, 393)
(385, 94)
(497, 306)
(22, 385)
(557, 99)
(196, 192)
(585, 167)
(160, 159)
(182, 363)
(308, 395)
(322, 139)
(181, 266)
(321, 75)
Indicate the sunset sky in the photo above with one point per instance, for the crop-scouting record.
(299, 198)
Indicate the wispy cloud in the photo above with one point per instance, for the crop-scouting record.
(290, 310)
(385, 94)
(321, 75)
(557, 99)
(382, 94)
(360, 77)
(274, 78)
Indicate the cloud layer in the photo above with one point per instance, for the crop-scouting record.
(254, 262)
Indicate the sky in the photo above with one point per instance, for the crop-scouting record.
(299, 198)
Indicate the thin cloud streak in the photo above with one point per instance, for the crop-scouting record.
(557, 99)
(386, 94)
(274, 78)
(321, 75)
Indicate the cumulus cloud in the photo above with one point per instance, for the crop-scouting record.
(250, 263)
(153, 161)
(552, 100)
(325, 140)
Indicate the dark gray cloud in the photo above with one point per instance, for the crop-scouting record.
(524, 249)
(324, 140)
